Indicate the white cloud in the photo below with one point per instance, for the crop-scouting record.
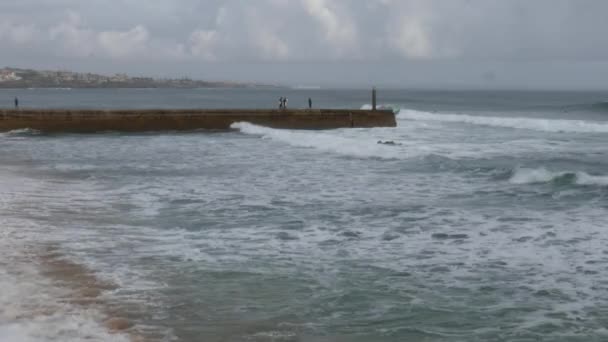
(269, 45)
(74, 38)
(18, 34)
(410, 38)
(120, 44)
(338, 30)
(307, 30)
(203, 44)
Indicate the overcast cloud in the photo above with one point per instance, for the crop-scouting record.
(470, 43)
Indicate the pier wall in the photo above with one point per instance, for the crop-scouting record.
(89, 121)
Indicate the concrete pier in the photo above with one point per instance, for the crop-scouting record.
(146, 120)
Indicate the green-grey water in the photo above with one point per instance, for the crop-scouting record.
(485, 221)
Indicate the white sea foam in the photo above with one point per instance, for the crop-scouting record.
(583, 178)
(392, 107)
(544, 125)
(364, 147)
(409, 142)
(542, 175)
(20, 132)
(32, 306)
(531, 176)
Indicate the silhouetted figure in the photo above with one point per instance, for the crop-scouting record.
(281, 102)
(16, 103)
(309, 103)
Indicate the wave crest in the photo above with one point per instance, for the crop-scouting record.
(542, 175)
(545, 125)
(21, 132)
(392, 107)
(362, 148)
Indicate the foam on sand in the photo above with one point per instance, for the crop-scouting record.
(544, 125)
(43, 295)
(32, 305)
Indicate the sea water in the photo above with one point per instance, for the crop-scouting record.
(486, 220)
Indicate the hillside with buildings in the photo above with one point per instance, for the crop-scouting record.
(27, 78)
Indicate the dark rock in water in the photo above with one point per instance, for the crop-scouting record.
(444, 236)
(286, 236)
(486, 288)
(330, 242)
(351, 234)
(440, 269)
(542, 293)
(388, 142)
(523, 239)
(293, 225)
(342, 253)
(500, 263)
(390, 236)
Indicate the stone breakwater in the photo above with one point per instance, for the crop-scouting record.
(146, 120)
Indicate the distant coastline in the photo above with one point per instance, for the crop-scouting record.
(16, 78)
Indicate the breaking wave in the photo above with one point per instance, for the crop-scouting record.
(392, 107)
(21, 132)
(362, 148)
(542, 175)
(545, 125)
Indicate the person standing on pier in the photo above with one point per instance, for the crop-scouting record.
(309, 103)
(16, 103)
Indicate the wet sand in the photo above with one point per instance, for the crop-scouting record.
(87, 291)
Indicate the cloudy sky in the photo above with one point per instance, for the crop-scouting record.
(410, 43)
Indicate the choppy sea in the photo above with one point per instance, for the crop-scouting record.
(485, 219)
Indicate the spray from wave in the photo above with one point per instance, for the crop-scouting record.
(21, 132)
(542, 175)
(544, 125)
(392, 107)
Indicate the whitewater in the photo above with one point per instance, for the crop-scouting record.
(481, 217)
(543, 125)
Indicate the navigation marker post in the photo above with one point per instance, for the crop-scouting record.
(374, 99)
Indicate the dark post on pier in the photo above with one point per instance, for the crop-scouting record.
(374, 98)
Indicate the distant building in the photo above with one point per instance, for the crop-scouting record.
(8, 75)
(119, 78)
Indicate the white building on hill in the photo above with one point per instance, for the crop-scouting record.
(8, 75)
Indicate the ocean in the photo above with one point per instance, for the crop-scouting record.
(486, 219)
